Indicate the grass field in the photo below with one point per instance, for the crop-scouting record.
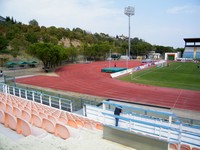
(182, 75)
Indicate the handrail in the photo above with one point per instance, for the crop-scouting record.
(173, 132)
(36, 96)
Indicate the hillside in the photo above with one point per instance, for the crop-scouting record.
(16, 39)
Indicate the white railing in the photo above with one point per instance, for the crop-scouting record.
(52, 101)
(171, 130)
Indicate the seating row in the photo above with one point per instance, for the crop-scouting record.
(22, 126)
(52, 120)
(183, 147)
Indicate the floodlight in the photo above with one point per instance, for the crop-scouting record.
(129, 11)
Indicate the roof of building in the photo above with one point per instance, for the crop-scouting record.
(2, 19)
(192, 39)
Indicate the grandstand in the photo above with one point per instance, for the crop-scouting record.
(40, 119)
(192, 48)
(29, 124)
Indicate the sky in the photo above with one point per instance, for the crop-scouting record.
(158, 22)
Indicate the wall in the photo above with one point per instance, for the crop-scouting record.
(133, 140)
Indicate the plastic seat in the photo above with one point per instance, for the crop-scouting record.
(14, 104)
(10, 121)
(26, 115)
(42, 115)
(3, 106)
(20, 106)
(99, 126)
(63, 119)
(2, 116)
(185, 147)
(17, 112)
(173, 146)
(56, 113)
(48, 125)
(34, 111)
(52, 118)
(61, 131)
(36, 120)
(195, 148)
(79, 122)
(23, 127)
(27, 109)
(9, 108)
(72, 123)
(88, 125)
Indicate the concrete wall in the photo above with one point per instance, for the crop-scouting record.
(139, 142)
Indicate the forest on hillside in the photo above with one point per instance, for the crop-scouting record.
(54, 45)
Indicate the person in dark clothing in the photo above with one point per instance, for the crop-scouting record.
(1, 73)
(117, 112)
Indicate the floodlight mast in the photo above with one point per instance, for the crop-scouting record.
(129, 11)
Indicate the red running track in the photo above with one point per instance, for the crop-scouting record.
(88, 79)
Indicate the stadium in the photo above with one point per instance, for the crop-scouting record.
(152, 117)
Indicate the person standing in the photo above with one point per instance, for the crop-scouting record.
(1, 73)
(117, 112)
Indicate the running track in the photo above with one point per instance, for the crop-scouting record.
(88, 79)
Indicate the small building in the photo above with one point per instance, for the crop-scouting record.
(172, 56)
(153, 55)
(2, 19)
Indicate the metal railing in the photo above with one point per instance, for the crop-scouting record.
(52, 101)
(172, 129)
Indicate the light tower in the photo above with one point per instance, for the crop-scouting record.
(129, 11)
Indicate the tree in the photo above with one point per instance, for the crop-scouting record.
(17, 45)
(50, 55)
(33, 23)
(3, 43)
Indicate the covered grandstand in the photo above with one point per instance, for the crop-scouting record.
(192, 48)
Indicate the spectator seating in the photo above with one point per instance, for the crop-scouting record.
(62, 131)
(23, 127)
(48, 125)
(185, 147)
(2, 116)
(22, 115)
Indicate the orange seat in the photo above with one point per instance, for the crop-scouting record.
(88, 125)
(185, 147)
(43, 115)
(72, 123)
(17, 112)
(195, 148)
(36, 120)
(27, 109)
(34, 111)
(10, 121)
(79, 122)
(2, 116)
(23, 127)
(63, 119)
(9, 108)
(99, 126)
(3, 106)
(52, 118)
(173, 146)
(48, 125)
(26, 115)
(61, 131)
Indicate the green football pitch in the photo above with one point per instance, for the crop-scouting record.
(182, 75)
